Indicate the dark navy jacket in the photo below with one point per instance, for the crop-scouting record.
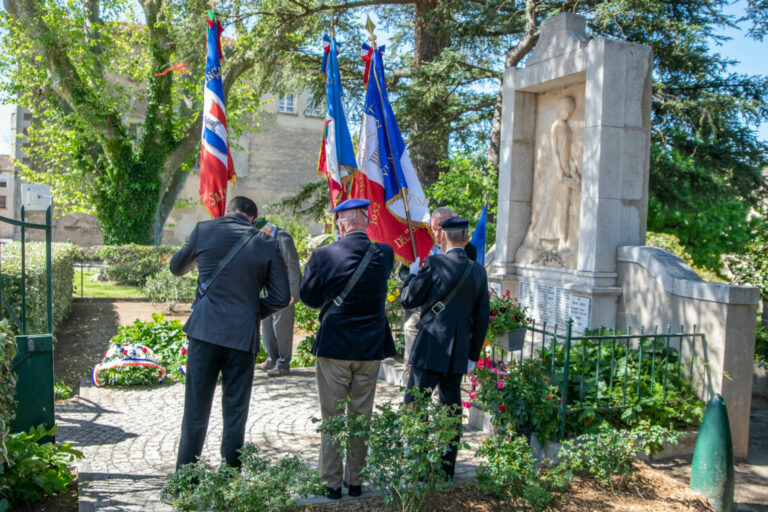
(446, 342)
(358, 330)
(229, 313)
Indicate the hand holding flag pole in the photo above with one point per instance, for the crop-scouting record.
(370, 27)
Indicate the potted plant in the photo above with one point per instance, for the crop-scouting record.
(518, 396)
(508, 321)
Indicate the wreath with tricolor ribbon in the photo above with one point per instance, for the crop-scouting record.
(127, 356)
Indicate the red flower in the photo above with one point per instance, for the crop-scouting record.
(503, 309)
(466, 405)
(143, 349)
(494, 311)
(549, 397)
(184, 351)
(502, 408)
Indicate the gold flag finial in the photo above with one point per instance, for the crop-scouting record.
(370, 27)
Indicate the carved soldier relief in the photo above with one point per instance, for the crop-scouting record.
(552, 236)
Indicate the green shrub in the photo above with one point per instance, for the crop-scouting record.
(166, 287)
(307, 319)
(133, 264)
(62, 270)
(7, 386)
(33, 469)
(761, 344)
(512, 473)
(261, 484)
(671, 403)
(61, 391)
(405, 446)
(304, 357)
(609, 455)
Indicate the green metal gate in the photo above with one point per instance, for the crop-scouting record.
(33, 363)
(592, 370)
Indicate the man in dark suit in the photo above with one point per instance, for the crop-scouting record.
(354, 334)
(453, 323)
(277, 330)
(223, 329)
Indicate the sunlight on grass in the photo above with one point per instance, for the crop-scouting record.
(103, 289)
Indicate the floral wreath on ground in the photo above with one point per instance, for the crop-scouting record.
(126, 356)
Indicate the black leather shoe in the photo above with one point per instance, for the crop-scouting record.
(355, 490)
(333, 493)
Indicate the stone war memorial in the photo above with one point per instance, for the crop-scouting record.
(573, 205)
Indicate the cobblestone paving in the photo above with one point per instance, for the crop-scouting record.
(130, 436)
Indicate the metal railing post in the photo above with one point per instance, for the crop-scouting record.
(23, 276)
(564, 384)
(48, 271)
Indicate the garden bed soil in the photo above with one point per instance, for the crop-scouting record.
(653, 492)
(83, 337)
(66, 502)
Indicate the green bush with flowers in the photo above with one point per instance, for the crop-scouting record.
(517, 395)
(507, 314)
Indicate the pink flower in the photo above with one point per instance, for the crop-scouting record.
(549, 397)
(472, 394)
(481, 363)
(492, 318)
(500, 383)
(503, 408)
(559, 400)
(466, 405)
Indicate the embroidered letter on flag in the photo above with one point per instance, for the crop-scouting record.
(216, 167)
(337, 157)
(386, 174)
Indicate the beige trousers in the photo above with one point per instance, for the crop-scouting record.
(337, 379)
(411, 317)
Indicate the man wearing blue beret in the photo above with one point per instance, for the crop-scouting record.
(452, 292)
(347, 280)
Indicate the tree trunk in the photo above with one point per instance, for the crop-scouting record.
(495, 144)
(425, 154)
(165, 206)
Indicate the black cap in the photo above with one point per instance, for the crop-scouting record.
(454, 223)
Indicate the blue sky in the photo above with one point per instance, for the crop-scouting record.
(747, 51)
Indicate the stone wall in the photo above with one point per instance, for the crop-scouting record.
(658, 288)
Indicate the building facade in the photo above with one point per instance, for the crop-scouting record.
(274, 161)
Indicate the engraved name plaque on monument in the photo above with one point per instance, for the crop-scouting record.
(555, 305)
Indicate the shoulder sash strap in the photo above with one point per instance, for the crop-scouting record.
(339, 299)
(439, 306)
(203, 288)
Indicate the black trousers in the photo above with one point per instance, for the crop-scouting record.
(204, 362)
(449, 391)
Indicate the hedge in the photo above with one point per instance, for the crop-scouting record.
(64, 256)
(62, 271)
(7, 390)
(130, 264)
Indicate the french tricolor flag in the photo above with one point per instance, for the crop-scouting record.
(385, 174)
(216, 166)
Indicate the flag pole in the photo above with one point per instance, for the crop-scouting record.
(403, 190)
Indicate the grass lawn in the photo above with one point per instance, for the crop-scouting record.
(103, 289)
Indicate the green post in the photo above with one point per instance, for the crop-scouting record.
(33, 365)
(712, 467)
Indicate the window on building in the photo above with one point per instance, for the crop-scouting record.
(287, 104)
(3, 181)
(314, 109)
(2, 203)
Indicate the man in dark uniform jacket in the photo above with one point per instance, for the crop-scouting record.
(449, 340)
(353, 337)
(223, 329)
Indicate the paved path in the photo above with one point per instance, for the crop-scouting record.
(130, 436)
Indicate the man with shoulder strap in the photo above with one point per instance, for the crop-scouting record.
(235, 262)
(452, 292)
(347, 280)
